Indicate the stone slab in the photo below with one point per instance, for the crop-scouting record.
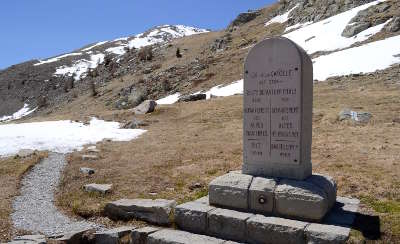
(277, 104)
(261, 195)
(326, 234)
(192, 216)
(343, 213)
(230, 190)
(158, 211)
(300, 200)
(113, 236)
(139, 236)
(275, 230)
(29, 239)
(99, 188)
(228, 224)
(168, 236)
(203, 200)
(326, 183)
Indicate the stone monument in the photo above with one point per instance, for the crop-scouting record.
(278, 99)
(276, 198)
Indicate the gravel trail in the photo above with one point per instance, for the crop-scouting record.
(34, 209)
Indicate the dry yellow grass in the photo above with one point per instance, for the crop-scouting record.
(12, 170)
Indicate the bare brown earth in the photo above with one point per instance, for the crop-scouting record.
(12, 170)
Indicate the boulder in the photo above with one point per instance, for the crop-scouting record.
(114, 236)
(358, 117)
(99, 188)
(87, 171)
(355, 28)
(300, 200)
(157, 211)
(145, 107)
(193, 97)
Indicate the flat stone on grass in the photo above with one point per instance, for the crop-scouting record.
(99, 188)
(139, 236)
(87, 157)
(168, 236)
(114, 236)
(275, 230)
(228, 224)
(87, 171)
(230, 190)
(192, 216)
(326, 234)
(261, 194)
(157, 211)
(300, 200)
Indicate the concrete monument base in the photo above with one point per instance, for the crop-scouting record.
(309, 199)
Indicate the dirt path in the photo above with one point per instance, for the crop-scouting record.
(34, 209)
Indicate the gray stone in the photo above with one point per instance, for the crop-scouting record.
(343, 213)
(326, 234)
(145, 107)
(134, 124)
(300, 200)
(228, 224)
(113, 236)
(261, 194)
(168, 236)
(87, 171)
(230, 190)
(275, 230)
(203, 200)
(157, 211)
(99, 188)
(25, 153)
(192, 216)
(277, 119)
(29, 239)
(72, 237)
(355, 28)
(139, 236)
(87, 157)
(358, 117)
(394, 25)
(193, 97)
(327, 184)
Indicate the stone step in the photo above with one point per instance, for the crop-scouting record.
(201, 218)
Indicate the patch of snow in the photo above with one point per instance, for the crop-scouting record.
(93, 46)
(60, 136)
(363, 59)
(281, 18)
(79, 68)
(120, 50)
(55, 59)
(326, 35)
(171, 99)
(226, 90)
(24, 111)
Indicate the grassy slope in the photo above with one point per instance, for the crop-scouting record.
(11, 171)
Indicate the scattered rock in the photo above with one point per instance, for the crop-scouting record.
(139, 236)
(87, 171)
(193, 97)
(196, 185)
(355, 28)
(25, 153)
(145, 107)
(359, 117)
(394, 25)
(87, 157)
(114, 236)
(100, 188)
(92, 149)
(154, 211)
(134, 124)
(72, 237)
(243, 18)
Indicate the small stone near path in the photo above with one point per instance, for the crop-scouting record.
(88, 157)
(87, 171)
(100, 188)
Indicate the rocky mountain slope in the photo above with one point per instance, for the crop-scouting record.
(125, 71)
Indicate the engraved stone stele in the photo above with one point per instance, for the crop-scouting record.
(278, 97)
